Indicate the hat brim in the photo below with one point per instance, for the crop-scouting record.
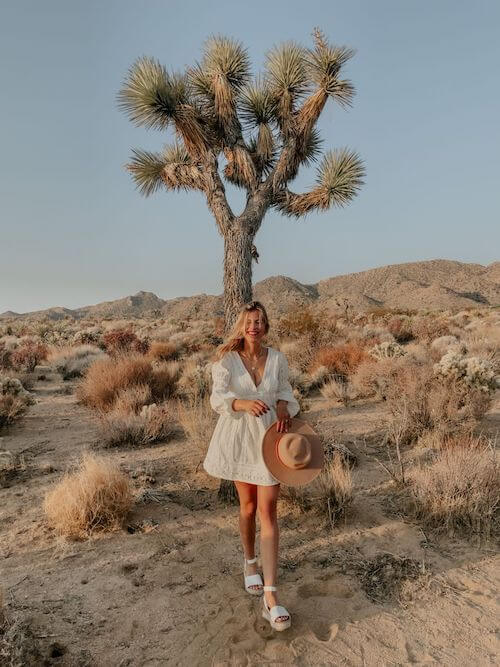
(288, 476)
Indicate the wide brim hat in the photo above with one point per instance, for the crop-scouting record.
(294, 457)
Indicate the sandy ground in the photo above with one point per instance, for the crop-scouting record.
(168, 589)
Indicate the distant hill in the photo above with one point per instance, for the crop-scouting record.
(435, 284)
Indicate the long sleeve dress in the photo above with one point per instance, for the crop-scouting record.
(234, 451)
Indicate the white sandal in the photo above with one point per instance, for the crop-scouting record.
(252, 579)
(275, 612)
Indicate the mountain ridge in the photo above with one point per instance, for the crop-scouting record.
(433, 284)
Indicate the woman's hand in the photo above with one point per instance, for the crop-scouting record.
(255, 408)
(283, 417)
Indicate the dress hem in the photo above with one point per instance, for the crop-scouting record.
(233, 479)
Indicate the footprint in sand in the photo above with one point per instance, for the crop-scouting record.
(323, 589)
(324, 630)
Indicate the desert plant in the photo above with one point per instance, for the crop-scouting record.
(197, 418)
(153, 423)
(459, 490)
(387, 349)
(340, 360)
(123, 340)
(28, 354)
(328, 495)
(472, 372)
(339, 388)
(107, 378)
(163, 351)
(73, 362)
(96, 497)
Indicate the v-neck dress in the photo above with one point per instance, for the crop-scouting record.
(235, 449)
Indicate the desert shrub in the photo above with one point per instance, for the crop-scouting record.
(441, 345)
(401, 328)
(28, 355)
(302, 321)
(73, 362)
(151, 424)
(373, 378)
(387, 349)
(459, 490)
(132, 399)
(197, 418)
(5, 356)
(338, 388)
(298, 352)
(420, 402)
(96, 497)
(90, 336)
(427, 328)
(107, 378)
(123, 340)
(195, 379)
(328, 495)
(163, 351)
(14, 400)
(471, 372)
(341, 360)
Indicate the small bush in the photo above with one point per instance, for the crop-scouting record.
(197, 418)
(328, 495)
(107, 378)
(97, 497)
(27, 355)
(163, 351)
(388, 349)
(73, 362)
(341, 360)
(460, 490)
(123, 340)
(152, 424)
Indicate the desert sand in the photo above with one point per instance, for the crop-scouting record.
(168, 588)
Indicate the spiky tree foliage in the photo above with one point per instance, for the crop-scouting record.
(263, 127)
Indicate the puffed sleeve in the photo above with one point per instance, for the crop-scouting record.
(285, 391)
(221, 397)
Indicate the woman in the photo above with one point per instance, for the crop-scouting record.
(250, 391)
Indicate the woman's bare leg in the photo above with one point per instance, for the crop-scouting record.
(267, 499)
(248, 508)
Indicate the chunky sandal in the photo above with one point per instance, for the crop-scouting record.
(252, 579)
(275, 612)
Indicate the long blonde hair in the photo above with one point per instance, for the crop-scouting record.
(235, 339)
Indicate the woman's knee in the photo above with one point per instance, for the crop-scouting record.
(267, 513)
(248, 509)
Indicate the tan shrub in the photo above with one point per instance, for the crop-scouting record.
(198, 420)
(341, 359)
(118, 341)
(130, 400)
(459, 490)
(96, 497)
(163, 351)
(338, 389)
(106, 379)
(28, 355)
(152, 424)
(427, 328)
(328, 495)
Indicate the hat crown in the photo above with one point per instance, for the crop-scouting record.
(294, 450)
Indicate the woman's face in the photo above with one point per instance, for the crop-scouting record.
(255, 328)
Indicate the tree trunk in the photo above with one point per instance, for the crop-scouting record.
(237, 291)
(237, 272)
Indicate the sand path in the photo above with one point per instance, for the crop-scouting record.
(168, 589)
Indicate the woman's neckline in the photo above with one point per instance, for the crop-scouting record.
(248, 372)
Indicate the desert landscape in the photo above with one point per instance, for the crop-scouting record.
(116, 549)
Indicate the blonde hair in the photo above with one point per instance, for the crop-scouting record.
(235, 339)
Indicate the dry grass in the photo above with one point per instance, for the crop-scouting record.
(163, 351)
(460, 489)
(154, 423)
(328, 495)
(96, 497)
(11, 409)
(341, 360)
(106, 379)
(198, 420)
(338, 389)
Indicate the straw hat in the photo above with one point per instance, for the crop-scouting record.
(295, 457)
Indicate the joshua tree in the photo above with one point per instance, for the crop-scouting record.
(265, 127)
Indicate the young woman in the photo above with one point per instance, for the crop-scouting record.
(250, 391)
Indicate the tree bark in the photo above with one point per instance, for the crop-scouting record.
(237, 271)
(237, 291)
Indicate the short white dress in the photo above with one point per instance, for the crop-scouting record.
(235, 450)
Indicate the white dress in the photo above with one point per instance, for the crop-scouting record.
(235, 451)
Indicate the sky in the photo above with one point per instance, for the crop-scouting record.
(74, 231)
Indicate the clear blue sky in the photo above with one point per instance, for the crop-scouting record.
(74, 231)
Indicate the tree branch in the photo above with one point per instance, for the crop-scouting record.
(216, 196)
